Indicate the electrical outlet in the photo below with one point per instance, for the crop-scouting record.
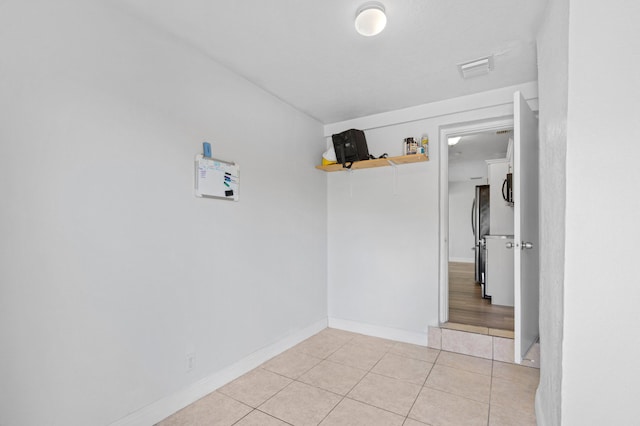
(191, 361)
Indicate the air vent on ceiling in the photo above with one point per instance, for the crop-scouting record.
(477, 67)
(504, 132)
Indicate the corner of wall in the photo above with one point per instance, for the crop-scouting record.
(380, 331)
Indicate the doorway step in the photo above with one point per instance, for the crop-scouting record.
(483, 342)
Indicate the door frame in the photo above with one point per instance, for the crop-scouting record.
(457, 129)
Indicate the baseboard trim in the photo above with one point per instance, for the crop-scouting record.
(379, 331)
(161, 409)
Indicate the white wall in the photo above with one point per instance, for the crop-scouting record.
(600, 371)
(383, 244)
(461, 241)
(553, 85)
(111, 271)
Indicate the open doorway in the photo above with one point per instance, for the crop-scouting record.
(476, 156)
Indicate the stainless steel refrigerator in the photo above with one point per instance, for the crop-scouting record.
(480, 226)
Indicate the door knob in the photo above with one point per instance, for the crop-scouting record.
(527, 245)
(509, 245)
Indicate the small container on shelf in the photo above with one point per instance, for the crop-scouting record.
(425, 145)
(410, 146)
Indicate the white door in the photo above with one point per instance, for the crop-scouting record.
(526, 242)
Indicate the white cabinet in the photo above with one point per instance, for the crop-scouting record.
(501, 216)
(499, 269)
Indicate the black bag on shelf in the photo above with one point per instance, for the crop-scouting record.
(350, 146)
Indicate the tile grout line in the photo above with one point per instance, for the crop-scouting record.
(274, 417)
(296, 380)
(352, 387)
(317, 387)
(423, 385)
(263, 412)
(282, 375)
(240, 419)
(370, 371)
(490, 392)
(455, 394)
(389, 348)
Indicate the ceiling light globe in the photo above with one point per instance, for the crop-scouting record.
(370, 19)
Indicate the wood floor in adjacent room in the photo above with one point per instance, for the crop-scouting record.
(466, 305)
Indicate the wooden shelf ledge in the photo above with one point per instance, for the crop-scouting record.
(378, 162)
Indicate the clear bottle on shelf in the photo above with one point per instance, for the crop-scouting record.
(425, 145)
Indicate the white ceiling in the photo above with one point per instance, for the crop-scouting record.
(307, 53)
(467, 159)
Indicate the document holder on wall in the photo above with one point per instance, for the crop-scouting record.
(216, 179)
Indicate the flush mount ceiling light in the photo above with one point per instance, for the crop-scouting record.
(453, 141)
(370, 19)
(477, 67)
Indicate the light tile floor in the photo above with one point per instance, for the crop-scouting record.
(342, 378)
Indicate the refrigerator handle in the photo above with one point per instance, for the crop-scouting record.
(473, 223)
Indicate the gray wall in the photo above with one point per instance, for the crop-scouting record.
(601, 347)
(553, 86)
(111, 271)
(589, 94)
(461, 240)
